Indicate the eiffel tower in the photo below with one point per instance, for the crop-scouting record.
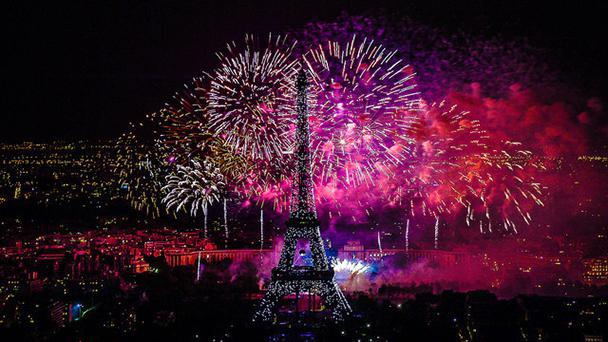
(303, 224)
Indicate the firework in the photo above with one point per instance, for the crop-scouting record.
(362, 94)
(142, 164)
(456, 165)
(251, 97)
(373, 139)
(185, 132)
(194, 188)
(438, 136)
(250, 108)
(503, 189)
(485, 174)
(187, 136)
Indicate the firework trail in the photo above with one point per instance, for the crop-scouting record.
(194, 187)
(436, 239)
(198, 267)
(261, 229)
(226, 222)
(407, 234)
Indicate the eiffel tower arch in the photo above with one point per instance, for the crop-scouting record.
(303, 224)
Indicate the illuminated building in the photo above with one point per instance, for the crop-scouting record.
(596, 271)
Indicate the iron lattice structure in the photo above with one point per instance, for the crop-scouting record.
(303, 225)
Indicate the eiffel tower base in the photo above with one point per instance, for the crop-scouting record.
(328, 290)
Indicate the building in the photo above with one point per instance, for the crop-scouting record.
(596, 271)
(355, 250)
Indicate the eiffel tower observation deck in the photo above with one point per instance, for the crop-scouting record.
(303, 224)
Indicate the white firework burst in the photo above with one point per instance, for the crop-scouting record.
(251, 97)
(350, 267)
(194, 188)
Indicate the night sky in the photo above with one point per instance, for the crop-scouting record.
(82, 70)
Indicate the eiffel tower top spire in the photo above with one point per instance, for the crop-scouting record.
(302, 198)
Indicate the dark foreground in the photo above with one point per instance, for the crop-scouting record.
(168, 305)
